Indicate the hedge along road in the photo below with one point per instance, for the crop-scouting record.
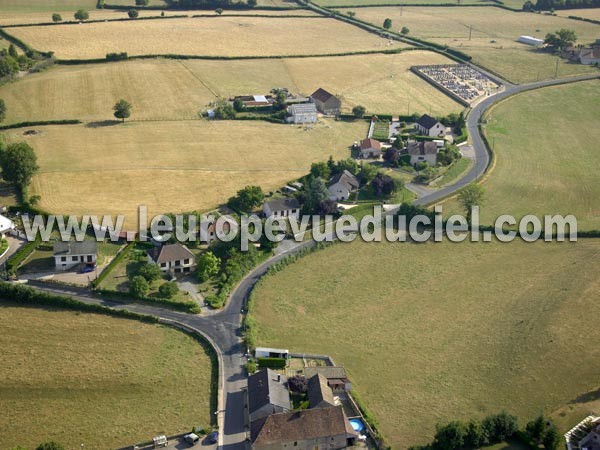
(224, 328)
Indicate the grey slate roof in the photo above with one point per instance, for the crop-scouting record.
(345, 178)
(264, 389)
(302, 108)
(300, 426)
(328, 372)
(321, 95)
(87, 247)
(170, 253)
(283, 204)
(422, 148)
(427, 121)
(320, 394)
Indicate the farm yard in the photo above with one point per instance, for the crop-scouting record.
(175, 90)
(173, 166)
(106, 382)
(533, 174)
(210, 36)
(442, 331)
(493, 38)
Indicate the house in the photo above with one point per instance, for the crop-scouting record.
(428, 126)
(423, 152)
(309, 429)
(370, 148)
(6, 226)
(592, 440)
(326, 103)
(336, 377)
(590, 55)
(320, 394)
(68, 255)
(302, 113)
(282, 207)
(267, 394)
(341, 185)
(215, 228)
(585, 435)
(174, 258)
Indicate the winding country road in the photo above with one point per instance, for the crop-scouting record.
(223, 329)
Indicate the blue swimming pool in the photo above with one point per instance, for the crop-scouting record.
(357, 425)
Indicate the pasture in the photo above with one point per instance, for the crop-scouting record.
(493, 36)
(544, 162)
(591, 13)
(173, 166)
(175, 90)
(208, 36)
(56, 5)
(105, 382)
(348, 3)
(436, 332)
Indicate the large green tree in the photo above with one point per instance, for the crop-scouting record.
(536, 429)
(359, 111)
(122, 110)
(551, 438)
(316, 192)
(561, 39)
(151, 272)
(139, 286)
(19, 163)
(81, 15)
(469, 197)
(249, 197)
(207, 266)
(387, 24)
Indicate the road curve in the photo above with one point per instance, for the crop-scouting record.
(224, 329)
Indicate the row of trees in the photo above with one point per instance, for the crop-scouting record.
(12, 62)
(206, 4)
(561, 39)
(146, 276)
(387, 24)
(548, 5)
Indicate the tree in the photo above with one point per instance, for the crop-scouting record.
(551, 439)
(219, 11)
(563, 38)
(238, 104)
(298, 384)
(168, 289)
(2, 110)
(327, 207)
(469, 197)
(384, 185)
(367, 173)
(387, 24)
(316, 192)
(358, 111)
(133, 13)
(122, 109)
(56, 17)
(351, 13)
(392, 156)
(460, 123)
(528, 6)
(500, 426)
(280, 99)
(536, 429)
(321, 170)
(348, 164)
(224, 110)
(249, 197)
(208, 265)
(81, 15)
(142, 2)
(404, 30)
(449, 437)
(150, 272)
(12, 51)
(475, 435)
(51, 445)
(139, 286)
(19, 163)
(252, 3)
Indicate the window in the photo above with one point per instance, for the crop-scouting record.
(74, 258)
(186, 261)
(90, 258)
(63, 259)
(163, 264)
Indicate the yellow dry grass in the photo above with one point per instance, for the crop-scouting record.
(173, 166)
(214, 36)
(591, 13)
(104, 382)
(493, 36)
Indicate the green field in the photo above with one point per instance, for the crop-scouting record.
(435, 332)
(545, 163)
(493, 36)
(105, 382)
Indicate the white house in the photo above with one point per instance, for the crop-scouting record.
(428, 126)
(282, 207)
(341, 185)
(68, 255)
(370, 148)
(302, 113)
(6, 226)
(213, 228)
(423, 152)
(172, 257)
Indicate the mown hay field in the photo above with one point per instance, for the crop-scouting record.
(493, 36)
(105, 382)
(173, 166)
(591, 13)
(348, 3)
(544, 163)
(57, 5)
(431, 333)
(170, 90)
(209, 36)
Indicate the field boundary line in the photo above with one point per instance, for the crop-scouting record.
(197, 77)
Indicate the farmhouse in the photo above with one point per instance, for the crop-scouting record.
(320, 394)
(319, 428)
(68, 255)
(172, 257)
(370, 148)
(213, 228)
(326, 103)
(302, 113)
(341, 185)
(267, 394)
(590, 55)
(336, 377)
(428, 126)
(6, 226)
(282, 207)
(423, 152)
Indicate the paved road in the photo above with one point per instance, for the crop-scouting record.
(223, 329)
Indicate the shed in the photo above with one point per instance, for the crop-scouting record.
(265, 352)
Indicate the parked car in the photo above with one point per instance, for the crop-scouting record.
(87, 269)
(213, 437)
(191, 438)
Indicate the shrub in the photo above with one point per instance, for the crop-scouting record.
(116, 56)
(56, 17)
(168, 290)
(133, 13)
(139, 286)
(272, 363)
(81, 15)
(150, 272)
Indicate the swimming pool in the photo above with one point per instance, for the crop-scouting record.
(357, 425)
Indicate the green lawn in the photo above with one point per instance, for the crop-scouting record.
(458, 169)
(105, 382)
(546, 163)
(435, 332)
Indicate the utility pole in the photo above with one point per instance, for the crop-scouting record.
(401, 11)
(470, 31)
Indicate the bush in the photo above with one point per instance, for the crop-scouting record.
(133, 13)
(116, 56)
(272, 363)
(150, 272)
(168, 290)
(139, 286)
